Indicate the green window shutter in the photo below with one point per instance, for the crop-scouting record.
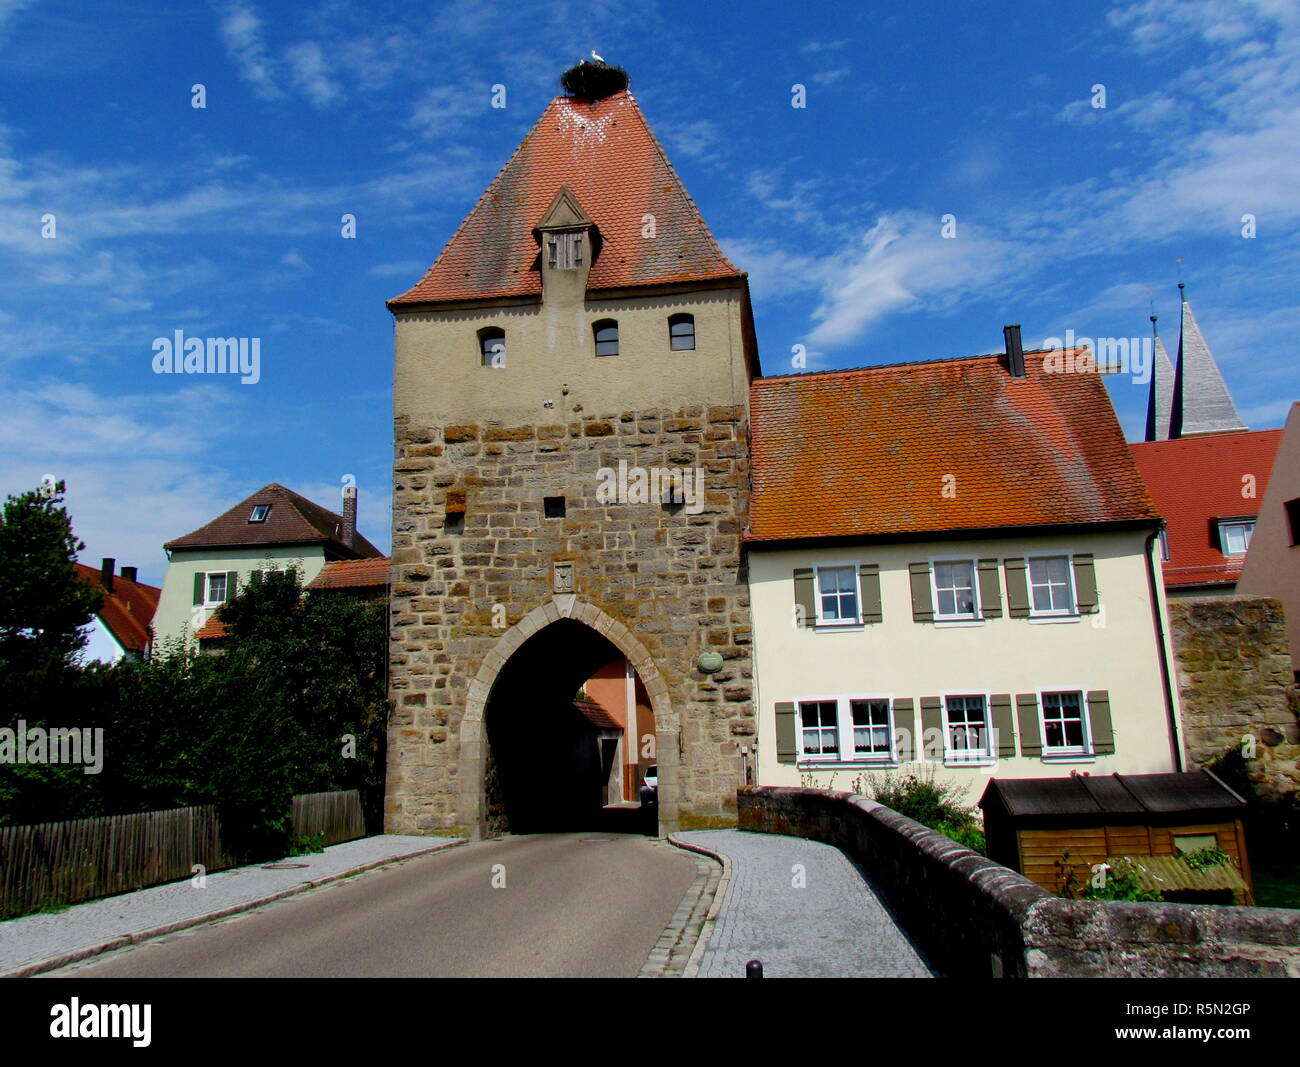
(1103, 732)
(990, 589)
(805, 595)
(922, 604)
(1031, 737)
(1085, 583)
(232, 583)
(200, 587)
(787, 749)
(1000, 707)
(931, 720)
(905, 729)
(869, 581)
(1017, 589)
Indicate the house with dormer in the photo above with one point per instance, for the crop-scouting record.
(272, 529)
(953, 566)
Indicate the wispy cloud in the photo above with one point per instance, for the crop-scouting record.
(241, 31)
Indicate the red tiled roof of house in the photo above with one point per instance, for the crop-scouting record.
(597, 716)
(868, 451)
(291, 520)
(127, 611)
(212, 630)
(1195, 480)
(616, 170)
(352, 574)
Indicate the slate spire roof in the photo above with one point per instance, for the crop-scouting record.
(605, 153)
(291, 519)
(1160, 401)
(1202, 403)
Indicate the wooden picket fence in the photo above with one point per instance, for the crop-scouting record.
(67, 862)
(337, 815)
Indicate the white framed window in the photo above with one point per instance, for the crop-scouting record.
(1051, 586)
(214, 588)
(1064, 717)
(872, 727)
(955, 591)
(1234, 537)
(259, 513)
(819, 729)
(846, 729)
(838, 600)
(966, 734)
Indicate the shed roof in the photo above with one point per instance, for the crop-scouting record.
(1165, 874)
(1118, 794)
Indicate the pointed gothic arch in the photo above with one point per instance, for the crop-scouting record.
(473, 736)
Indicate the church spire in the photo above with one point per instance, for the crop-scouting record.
(1160, 400)
(1201, 402)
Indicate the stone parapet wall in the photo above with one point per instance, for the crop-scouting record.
(1235, 681)
(976, 919)
(667, 579)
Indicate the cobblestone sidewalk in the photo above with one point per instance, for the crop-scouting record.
(802, 909)
(37, 943)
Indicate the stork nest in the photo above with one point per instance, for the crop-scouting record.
(590, 80)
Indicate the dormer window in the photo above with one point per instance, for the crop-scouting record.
(606, 334)
(492, 346)
(259, 513)
(681, 333)
(564, 249)
(1234, 536)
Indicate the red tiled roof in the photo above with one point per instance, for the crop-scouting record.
(616, 170)
(597, 716)
(352, 574)
(212, 630)
(292, 520)
(1197, 479)
(127, 611)
(866, 451)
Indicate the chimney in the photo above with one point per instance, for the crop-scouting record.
(106, 574)
(1015, 351)
(349, 515)
(129, 574)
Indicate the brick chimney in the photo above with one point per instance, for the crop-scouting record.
(349, 515)
(129, 574)
(1015, 350)
(106, 573)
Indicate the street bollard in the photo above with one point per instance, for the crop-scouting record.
(754, 969)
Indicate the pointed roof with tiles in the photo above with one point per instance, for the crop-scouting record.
(617, 175)
(1160, 401)
(1202, 403)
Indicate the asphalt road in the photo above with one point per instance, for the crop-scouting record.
(572, 905)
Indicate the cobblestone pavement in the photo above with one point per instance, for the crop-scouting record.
(802, 909)
(119, 920)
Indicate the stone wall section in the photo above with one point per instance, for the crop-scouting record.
(674, 579)
(1234, 675)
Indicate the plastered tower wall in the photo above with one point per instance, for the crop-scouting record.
(663, 584)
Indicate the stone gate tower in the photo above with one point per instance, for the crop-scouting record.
(580, 340)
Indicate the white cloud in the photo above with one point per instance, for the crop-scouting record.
(241, 30)
(308, 69)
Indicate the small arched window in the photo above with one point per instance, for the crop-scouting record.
(606, 334)
(681, 332)
(492, 346)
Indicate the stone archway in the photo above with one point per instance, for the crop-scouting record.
(473, 736)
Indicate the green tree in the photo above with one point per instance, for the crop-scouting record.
(43, 602)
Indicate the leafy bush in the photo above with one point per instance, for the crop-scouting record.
(921, 797)
(1119, 882)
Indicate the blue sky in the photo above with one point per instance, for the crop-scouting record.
(226, 220)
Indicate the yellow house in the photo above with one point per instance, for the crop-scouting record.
(953, 565)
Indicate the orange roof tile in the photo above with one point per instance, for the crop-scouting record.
(865, 452)
(1195, 480)
(352, 574)
(212, 630)
(127, 611)
(616, 170)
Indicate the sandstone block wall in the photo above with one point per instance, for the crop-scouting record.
(1234, 675)
(672, 579)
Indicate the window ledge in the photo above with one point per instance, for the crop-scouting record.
(982, 761)
(1050, 620)
(838, 765)
(831, 627)
(1070, 757)
(954, 623)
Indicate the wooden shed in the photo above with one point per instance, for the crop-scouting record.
(1044, 827)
